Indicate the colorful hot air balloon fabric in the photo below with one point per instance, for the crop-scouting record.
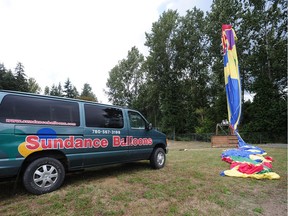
(232, 76)
(246, 161)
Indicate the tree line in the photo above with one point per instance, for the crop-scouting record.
(179, 86)
(17, 80)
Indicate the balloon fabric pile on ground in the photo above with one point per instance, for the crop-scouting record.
(248, 162)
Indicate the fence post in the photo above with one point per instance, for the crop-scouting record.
(174, 133)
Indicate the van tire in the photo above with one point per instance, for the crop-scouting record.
(43, 175)
(158, 158)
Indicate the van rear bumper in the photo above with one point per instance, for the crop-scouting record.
(10, 167)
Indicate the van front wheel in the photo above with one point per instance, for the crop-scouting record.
(158, 158)
(43, 175)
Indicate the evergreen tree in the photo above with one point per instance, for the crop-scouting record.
(33, 86)
(70, 90)
(20, 76)
(9, 81)
(2, 76)
(46, 90)
(56, 90)
(87, 93)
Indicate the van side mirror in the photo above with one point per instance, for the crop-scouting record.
(149, 126)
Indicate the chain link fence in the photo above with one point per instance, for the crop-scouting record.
(248, 137)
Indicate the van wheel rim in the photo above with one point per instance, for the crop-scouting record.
(45, 176)
(160, 158)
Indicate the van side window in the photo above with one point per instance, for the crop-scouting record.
(33, 110)
(136, 121)
(103, 116)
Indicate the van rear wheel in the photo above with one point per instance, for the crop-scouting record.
(43, 175)
(158, 158)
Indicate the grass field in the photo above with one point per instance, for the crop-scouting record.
(189, 184)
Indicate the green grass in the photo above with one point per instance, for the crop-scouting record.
(189, 184)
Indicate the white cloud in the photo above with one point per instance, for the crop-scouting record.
(183, 5)
(82, 40)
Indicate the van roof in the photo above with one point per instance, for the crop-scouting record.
(56, 97)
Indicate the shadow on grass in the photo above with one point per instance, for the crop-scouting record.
(9, 188)
(102, 172)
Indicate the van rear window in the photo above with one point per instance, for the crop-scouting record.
(102, 116)
(31, 110)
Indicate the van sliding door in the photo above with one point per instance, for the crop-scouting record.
(106, 131)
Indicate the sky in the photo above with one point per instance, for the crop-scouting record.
(78, 39)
